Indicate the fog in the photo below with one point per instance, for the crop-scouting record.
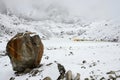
(90, 9)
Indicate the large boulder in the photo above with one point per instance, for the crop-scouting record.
(25, 51)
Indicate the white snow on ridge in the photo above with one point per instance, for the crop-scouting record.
(9, 26)
(103, 31)
(107, 30)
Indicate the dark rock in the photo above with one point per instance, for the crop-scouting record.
(77, 77)
(94, 64)
(27, 79)
(69, 75)
(34, 72)
(49, 64)
(111, 77)
(84, 61)
(61, 71)
(47, 78)
(61, 77)
(25, 50)
(103, 78)
(12, 78)
(47, 57)
(111, 72)
(83, 67)
(27, 70)
(71, 53)
(86, 79)
(5, 65)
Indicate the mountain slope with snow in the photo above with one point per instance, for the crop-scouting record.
(103, 31)
(79, 45)
(107, 30)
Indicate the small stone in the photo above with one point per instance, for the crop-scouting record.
(47, 57)
(111, 72)
(71, 53)
(111, 77)
(86, 79)
(91, 77)
(49, 64)
(83, 67)
(55, 48)
(69, 75)
(26, 78)
(92, 72)
(98, 60)
(47, 78)
(90, 66)
(103, 78)
(77, 77)
(12, 78)
(40, 65)
(61, 71)
(55, 61)
(61, 77)
(34, 72)
(84, 61)
(27, 70)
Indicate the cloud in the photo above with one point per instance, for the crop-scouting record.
(94, 9)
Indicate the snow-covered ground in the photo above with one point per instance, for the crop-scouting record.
(80, 46)
(90, 59)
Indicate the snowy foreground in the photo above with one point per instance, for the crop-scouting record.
(92, 60)
(91, 49)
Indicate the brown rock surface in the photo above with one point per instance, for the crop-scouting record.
(47, 78)
(69, 75)
(25, 50)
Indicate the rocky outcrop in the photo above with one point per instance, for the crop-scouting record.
(61, 71)
(77, 77)
(47, 78)
(66, 75)
(25, 51)
(69, 75)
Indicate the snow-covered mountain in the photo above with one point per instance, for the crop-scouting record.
(107, 30)
(42, 9)
(103, 31)
(82, 35)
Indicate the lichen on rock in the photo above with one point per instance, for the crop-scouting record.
(25, 51)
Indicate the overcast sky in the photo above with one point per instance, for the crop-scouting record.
(87, 8)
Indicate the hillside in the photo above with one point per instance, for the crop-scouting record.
(107, 30)
(81, 35)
